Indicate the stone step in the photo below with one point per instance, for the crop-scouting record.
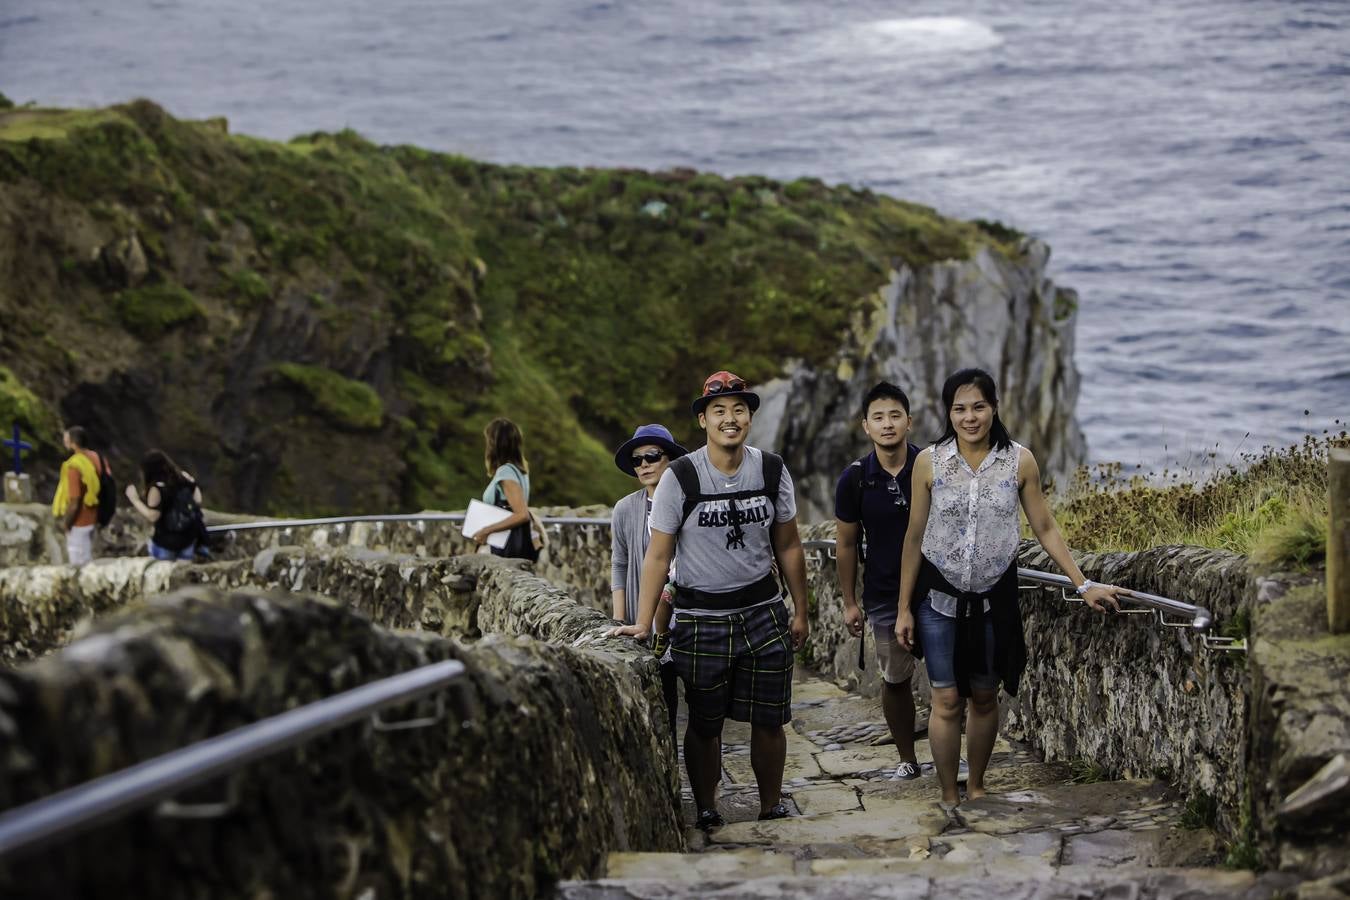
(878, 879)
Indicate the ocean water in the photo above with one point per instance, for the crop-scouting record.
(1188, 161)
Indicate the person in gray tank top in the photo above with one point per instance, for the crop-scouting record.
(723, 514)
(958, 573)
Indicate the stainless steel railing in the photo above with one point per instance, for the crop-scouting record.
(77, 809)
(1168, 612)
(380, 519)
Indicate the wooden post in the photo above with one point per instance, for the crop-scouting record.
(1338, 541)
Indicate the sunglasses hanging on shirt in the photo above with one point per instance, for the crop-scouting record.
(893, 487)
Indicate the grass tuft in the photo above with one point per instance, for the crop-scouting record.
(1202, 811)
(1272, 504)
(1087, 771)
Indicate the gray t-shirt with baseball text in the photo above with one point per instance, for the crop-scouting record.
(709, 555)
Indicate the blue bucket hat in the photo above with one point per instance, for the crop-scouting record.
(658, 435)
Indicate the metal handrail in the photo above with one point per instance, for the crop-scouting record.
(392, 517)
(1197, 617)
(74, 810)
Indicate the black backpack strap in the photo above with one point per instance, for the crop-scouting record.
(687, 476)
(773, 477)
(855, 471)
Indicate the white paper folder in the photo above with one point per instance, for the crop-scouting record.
(480, 515)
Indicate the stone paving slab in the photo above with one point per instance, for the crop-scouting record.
(816, 690)
(736, 864)
(829, 797)
(1154, 884)
(800, 762)
(1168, 847)
(844, 827)
(853, 760)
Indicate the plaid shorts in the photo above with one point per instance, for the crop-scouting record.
(738, 665)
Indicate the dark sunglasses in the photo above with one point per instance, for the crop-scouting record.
(651, 456)
(722, 387)
(894, 487)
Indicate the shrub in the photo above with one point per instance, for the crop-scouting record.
(344, 401)
(152, 310)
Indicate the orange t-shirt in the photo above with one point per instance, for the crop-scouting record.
(88, 515)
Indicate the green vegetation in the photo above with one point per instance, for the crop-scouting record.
(1087, 771)
(19, 405)
(351, 404)
(1274, 505)
(578, 302)
(1201, 811)
(251, 286)
(1244, 852)
(152, 310)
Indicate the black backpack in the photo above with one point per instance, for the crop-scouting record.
(687, 475)
(107, 492)
(182, 517)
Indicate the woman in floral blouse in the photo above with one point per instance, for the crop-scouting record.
(958, 574)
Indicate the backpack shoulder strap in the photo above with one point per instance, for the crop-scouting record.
(687, 476)
(773, 476)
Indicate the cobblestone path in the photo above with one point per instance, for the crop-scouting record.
(1041, 834)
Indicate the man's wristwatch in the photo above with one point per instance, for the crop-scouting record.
(1084, 587)
(660, 642)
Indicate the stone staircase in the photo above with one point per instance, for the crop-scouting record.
(1040, 834)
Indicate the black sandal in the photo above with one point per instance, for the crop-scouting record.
(778, 811)
(709, 819)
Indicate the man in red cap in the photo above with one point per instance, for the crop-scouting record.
(723, 513)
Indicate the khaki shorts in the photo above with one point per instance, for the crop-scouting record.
(896, 663)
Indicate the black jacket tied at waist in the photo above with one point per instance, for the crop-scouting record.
(1010, 649)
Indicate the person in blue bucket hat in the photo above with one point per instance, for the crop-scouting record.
(645, 456)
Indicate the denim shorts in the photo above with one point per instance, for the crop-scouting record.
(937, 633)
(159, 552)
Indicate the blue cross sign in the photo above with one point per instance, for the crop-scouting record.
(19, 446)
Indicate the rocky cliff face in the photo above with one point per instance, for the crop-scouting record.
(326, 325)
(1000, 313)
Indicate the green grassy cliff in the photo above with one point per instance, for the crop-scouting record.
(326, 324)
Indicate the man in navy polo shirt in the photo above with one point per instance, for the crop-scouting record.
(872, 501)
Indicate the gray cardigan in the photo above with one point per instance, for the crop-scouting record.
(629, 538)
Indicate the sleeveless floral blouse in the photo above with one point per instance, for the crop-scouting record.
(973, 525)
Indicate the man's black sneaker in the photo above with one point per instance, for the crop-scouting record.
(709, 819)
(778, 811)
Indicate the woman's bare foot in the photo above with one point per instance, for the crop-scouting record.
(974, 793)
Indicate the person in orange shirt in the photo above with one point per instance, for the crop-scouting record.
(78, 514)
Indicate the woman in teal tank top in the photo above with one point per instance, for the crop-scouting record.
(504, 458)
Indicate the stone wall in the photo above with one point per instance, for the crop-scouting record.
(830, 648)
(1299, 765)
(1129, 697)
(547, 758)
(1120, 694)
(574, 555)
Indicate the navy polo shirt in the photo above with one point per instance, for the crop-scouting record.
(864, 495)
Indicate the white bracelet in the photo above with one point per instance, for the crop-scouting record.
(1083, 588)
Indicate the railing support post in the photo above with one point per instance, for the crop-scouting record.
(1338, 540)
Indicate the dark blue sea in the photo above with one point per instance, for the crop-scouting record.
(1189, 161)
